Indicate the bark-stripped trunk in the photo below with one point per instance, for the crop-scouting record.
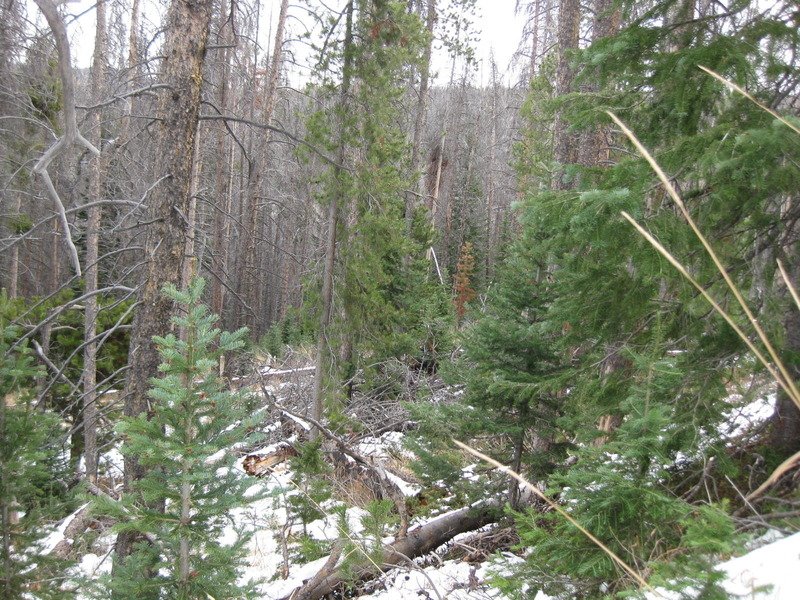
(13, 271)
(165, 238)
(91, 309)
(537, 7)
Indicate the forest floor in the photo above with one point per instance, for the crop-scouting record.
(283, 548)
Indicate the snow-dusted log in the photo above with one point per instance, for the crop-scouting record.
(418, 542)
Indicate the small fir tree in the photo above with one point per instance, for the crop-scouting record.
(190, 487)
(30, 462)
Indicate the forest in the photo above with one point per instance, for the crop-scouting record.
(308, 300)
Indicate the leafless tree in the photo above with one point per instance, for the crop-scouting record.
(168, 226)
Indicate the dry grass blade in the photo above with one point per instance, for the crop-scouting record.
(789, 285)
(629, 570)
(735, 87)
(784, 380)
(783, 468)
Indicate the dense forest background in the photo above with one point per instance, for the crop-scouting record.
(335, 180)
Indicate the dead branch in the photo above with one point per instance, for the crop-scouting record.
(418, 542)
(388, 487)
(71, 134)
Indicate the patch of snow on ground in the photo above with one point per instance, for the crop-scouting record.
(49, 542)
(774, 566)
(766, 573)
(742, 418)
(452, 580)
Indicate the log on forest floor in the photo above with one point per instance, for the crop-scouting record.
(418, 542)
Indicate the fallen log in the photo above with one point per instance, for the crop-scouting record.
(371, 473)
(418, 542)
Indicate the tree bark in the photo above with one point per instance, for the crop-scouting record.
(91, 308)
(593, 150)
(166, 234)
(222, 199)
(421, 112)
(418, 542)
(785, 436)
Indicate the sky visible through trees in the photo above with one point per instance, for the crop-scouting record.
(499, 23)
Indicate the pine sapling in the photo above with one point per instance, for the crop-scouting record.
(182, 506)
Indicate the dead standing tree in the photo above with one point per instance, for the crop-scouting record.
(71, 133)
(167, 225)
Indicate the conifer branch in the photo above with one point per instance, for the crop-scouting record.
(785, 379)
(552, 504)
(735, 87)
(714, 304)
(781, 376)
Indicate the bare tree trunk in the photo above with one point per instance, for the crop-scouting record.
(134, 69)
(91, 309)
(564, 144)
(13, 275)
(222, 200)
(165, 238)
(535, 38)
(516, 466)
(593, 150)
(71, 134)
(785, 434)
(421, 112)
(491, 210)
(249, 284)
(189, 269)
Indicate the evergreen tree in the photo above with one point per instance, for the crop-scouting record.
(32, 468)
(644, 362)
(380, 271)
(734, 165)
(189, 488)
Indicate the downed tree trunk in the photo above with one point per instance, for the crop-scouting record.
(418, 542)
(372, 474)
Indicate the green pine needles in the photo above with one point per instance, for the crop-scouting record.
(181, 508)
(590, 344)
(31, 467)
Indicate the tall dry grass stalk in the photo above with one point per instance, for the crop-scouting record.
(774, 365)
(554, 505)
